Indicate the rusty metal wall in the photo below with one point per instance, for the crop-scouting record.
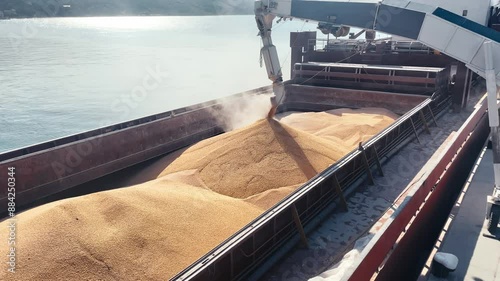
(49, 171)
(322, 98)
(398, 79)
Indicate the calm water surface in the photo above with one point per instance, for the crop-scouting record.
(66, 75)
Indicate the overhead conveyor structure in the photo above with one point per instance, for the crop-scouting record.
(437, 27)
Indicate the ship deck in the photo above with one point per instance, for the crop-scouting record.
(465, 235)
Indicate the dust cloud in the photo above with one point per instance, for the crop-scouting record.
(235, 113)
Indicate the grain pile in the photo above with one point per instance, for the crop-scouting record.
(263, 156)
(202, 195)
(146, 232)
(349, 126)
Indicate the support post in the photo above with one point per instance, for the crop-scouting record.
(432, 115)
(371, 181)
(468, 87)
(461, 87)
(338, 188)
(415, 130)
(491, 85)
(379, 165)
(426, 126)
(300, 228)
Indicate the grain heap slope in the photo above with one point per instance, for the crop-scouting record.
(146, 232)
(263, 156)
(349, 126)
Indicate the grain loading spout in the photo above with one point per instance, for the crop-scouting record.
(269, 53)
(279, 94)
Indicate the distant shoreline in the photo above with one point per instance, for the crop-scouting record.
(116, 8)
(111, 16)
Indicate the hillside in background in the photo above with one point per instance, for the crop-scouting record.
(75, 8)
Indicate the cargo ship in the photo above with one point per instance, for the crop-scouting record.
(394, 191)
